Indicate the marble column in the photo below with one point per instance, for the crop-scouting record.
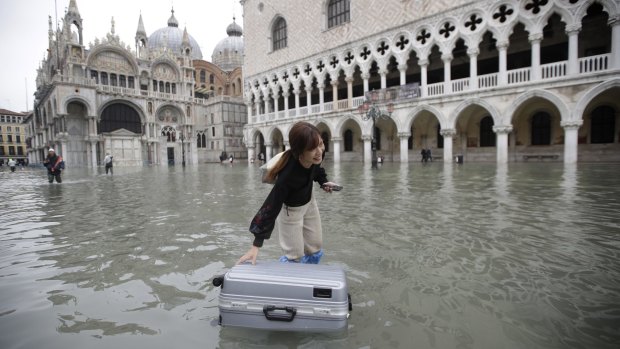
(502, 76)
(447, 74)
(447, 134)
(383, 73)
(321, 87)
(367, 149)
(334, 84)
(336, 142)
(296, 92)
(402, 68)
(473, 68)
(501, 133)
(423, 63)
(365, 77)
(614, 22)
(93, 154)
(573, 50)
(251, 152)
(571, 136)
(535, 40)
(404, 146)
(349, 80)
(268, 151)
(285, 95)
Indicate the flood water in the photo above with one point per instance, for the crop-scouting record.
(436, 256)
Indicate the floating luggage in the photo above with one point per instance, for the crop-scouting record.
(284, 297)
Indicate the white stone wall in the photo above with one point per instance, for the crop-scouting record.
(307, 26)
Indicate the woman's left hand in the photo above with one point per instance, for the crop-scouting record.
(327, 186)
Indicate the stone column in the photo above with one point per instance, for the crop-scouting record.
(268, 150)
(447, 134)
(402, 68)
(276, 98)
(571, 134)
(249, 105)
(336, 141)
(502, 76)
(367, 148)
(535, 40)
(93, 153)
(334, 84)
(383, 73)
(573, 50)
(365, 76)
(614, 22)
(349, 80)
(423, 63)
(473, 68)
(321, 97)
(251, 151)
(308, 89)
(296, 92)
(266, 102)
(404, 146)
(501, 133)
(287, 145)
(257, 106)
(447, 75)
(285, 95)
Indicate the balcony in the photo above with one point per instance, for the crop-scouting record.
(514, 77)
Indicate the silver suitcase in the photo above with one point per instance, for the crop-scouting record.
(284, 297)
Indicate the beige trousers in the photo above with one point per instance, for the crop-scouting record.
(300, 230)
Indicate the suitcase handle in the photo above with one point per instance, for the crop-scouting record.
(288, 317)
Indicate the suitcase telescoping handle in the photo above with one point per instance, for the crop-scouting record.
(269, 311)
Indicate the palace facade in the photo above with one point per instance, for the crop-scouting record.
(502, 81)
(158, 103)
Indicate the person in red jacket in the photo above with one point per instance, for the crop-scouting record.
(54, 164)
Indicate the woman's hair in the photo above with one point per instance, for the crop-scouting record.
(302, 137)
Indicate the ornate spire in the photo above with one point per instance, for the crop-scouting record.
(185, 41)
(172, 21)
(141, 29)
(112, 30)
(73, 8)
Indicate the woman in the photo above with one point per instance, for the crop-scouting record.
(291, 200)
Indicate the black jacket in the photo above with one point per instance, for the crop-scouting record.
(293, 188)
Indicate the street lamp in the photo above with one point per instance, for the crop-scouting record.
(183, 148)
(370, 110)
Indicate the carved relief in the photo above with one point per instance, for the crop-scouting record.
(113, 62)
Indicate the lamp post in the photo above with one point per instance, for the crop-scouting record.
(183, 148)
(370, 110)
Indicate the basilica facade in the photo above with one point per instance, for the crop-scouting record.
(497, 81)
(156, 103)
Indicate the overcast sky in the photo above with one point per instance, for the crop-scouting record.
(23, 36)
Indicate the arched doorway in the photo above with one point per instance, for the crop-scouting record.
(120, 126)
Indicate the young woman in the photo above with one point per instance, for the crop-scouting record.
(291, 200)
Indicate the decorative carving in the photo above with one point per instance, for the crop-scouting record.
(473, 22)
(365, 53)
(536, 5)
(446, 30)
(503, 13)
(423, 36)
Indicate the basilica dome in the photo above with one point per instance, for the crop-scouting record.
(228, 53)
(171, 37)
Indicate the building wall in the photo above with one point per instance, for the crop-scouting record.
(307, 26)
(11, 126)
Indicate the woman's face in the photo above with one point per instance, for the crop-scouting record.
(312, 156)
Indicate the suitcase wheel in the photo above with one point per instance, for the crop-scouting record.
(218, 281)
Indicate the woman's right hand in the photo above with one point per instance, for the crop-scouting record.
(249, 256)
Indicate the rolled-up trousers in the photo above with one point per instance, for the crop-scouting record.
(300, 230)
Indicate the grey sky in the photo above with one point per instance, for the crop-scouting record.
(23, 37)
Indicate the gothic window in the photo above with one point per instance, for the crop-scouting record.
(174, 88)
(487, 136)
(602, 125)
(203, 76)
(278, 34)
(541, 129)
(204, 140)
(338, 12)
(348, 140)
(198, 141)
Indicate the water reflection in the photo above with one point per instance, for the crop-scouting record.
(475, 255)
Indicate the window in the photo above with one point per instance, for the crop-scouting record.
(17, 129)
(9, 138)
(203, 76)
(278, 34)
(212, 79)
(2, 150)
(487, 136)
(213, 131)
(204, 140)
(123, 80)
(1, 140)
(18, 139)
(338, 12)
(11, 150)
(104, 78)
(113, 80)
(130, 82)
(541, 129)
(20, 151)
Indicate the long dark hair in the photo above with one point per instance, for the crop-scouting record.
(302, 137)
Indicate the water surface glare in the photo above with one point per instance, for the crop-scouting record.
(437, 256)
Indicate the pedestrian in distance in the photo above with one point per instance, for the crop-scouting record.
(291, 204)
(54, 164)
(11, 164)
(109, 166)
